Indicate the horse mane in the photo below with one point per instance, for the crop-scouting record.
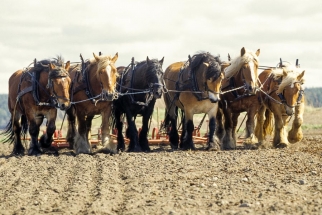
(102, 64)
(147, 75)
(238, 62)
(214, 63)
(291, 77)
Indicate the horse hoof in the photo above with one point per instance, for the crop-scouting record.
(229, 147)
(213, 148)
(19, 151)
(281, 145)
(174, 146)
(34, 152)
(250, 146)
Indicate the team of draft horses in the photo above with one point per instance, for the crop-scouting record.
(201, 84)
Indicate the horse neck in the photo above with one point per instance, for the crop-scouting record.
(44, 92)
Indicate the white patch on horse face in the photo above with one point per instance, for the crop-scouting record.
(63, 79)
(108, 71)
(252, 72)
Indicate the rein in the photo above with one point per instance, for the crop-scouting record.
(130, 90)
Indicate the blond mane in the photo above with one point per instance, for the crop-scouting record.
(103, 62)
(291, 77)
(238, 62)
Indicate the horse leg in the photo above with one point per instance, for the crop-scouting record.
(220, 131)
(213, 141)
(71, 132)
(173, 134)
(280, 137)
(234, 118)
(108, 145)
(183, 131)
(18, 148)
(119, 127)
(228, 140)
(296, 134)
(187, 143)
(47, 138)
(82, 146)
(132, 133)
(34, 147)
(251, 139)
(259, 128)
(143, 140)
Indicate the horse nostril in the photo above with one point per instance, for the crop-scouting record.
(63, 106)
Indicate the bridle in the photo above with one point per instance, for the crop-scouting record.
(58, 74)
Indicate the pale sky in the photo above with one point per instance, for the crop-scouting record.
(172, 29)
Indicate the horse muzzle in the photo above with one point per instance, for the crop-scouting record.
(214, 97)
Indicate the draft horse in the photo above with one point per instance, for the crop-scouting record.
(139, 85)
(92, 92)
(36, 93)
(194, 87)
(282, 97)
(239, 95)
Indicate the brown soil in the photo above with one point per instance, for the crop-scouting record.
(265, 181)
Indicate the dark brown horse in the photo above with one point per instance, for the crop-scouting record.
(282, 97)
(194, 87)
(239, 88)
(140, 85)
(35, 93)
(93, 88)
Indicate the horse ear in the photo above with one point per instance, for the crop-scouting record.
(161, 61)
(242, 51)
(229, 58)
(147, 59)
(300, 76)
(114, 59)
(51, 66)
(258, 52)
(96, 57)
(67, 65)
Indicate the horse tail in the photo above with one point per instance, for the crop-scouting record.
(268, 126)
(8, 133)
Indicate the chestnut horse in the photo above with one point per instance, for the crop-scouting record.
(239, 88)
(92, 91)
(35, 93)
(140, 85)
(194, 87)
(282, 97)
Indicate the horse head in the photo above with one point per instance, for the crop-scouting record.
(106, 72)
(245, 68)
(155, 76)
(59, 85)
(214, 77)
(249, 70)
(290, 90)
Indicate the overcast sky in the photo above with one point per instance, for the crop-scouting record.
(165, 28)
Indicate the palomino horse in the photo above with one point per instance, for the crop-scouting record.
(34, 94)
(93, 88)
(194, 87)
(282, 97)
(139, 85)
(240, 84)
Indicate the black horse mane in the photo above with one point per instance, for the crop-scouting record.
(43, 65)
(150, 67)
(214, 62)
